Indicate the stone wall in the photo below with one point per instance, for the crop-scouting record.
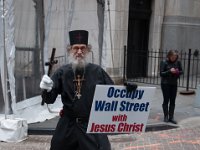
(181, 26)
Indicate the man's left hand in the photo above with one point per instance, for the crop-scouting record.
(130, 86)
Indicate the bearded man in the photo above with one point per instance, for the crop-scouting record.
(75, 82)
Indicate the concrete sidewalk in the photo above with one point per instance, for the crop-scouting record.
(185, 135)
(180, 139)
(186, 107)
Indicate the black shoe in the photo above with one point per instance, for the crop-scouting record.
(172, 121)
(165, 118)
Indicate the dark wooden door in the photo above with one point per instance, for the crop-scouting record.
(138, 35)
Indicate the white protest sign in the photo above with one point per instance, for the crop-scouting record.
(114, 110)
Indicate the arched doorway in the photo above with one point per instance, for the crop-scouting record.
(138, 35)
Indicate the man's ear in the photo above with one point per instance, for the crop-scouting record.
(89, 47)
(69, 47)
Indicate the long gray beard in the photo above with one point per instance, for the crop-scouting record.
(77, 64)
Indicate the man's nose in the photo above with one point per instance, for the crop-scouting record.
(79, 51)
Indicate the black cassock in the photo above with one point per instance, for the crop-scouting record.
(70, 133)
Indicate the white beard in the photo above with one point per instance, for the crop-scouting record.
(77, 63)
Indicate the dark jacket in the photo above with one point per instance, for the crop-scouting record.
(166, 76)
(64, 85)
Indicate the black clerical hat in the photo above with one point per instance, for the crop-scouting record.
(78, 37)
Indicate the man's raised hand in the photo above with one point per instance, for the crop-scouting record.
(46, 83)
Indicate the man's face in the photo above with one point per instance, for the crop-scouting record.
(79, 51)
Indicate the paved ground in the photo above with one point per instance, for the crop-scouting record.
(184, 136)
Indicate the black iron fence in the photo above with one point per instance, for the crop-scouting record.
(190, 62)
(27, 83)
(28, 75)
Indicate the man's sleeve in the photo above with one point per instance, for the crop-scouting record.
(107, 78)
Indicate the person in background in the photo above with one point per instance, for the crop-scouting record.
(76, 83)
(170, 71)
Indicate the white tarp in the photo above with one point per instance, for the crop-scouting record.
(32, 110)
(60, 17)
(11, 129)
(8, 54)
(3, 67)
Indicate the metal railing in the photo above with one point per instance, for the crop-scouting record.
(27, 79)
(190, 63)
(27, 84)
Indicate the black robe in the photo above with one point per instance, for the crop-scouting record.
(68, 134)
(64, 85)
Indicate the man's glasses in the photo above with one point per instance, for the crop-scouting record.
(76, 48)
